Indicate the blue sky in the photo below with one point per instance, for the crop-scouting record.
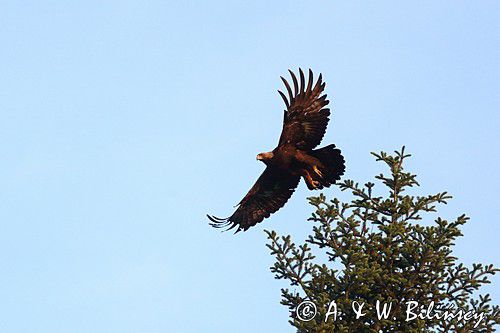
(122, 123)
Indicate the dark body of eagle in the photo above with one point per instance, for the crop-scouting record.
(304, 125)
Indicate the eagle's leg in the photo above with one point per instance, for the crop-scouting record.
(309, 162)
(310, 169)
(310, 182)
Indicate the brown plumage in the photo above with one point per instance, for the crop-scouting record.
(304, 125)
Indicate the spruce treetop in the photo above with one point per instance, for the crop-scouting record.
(377, 250)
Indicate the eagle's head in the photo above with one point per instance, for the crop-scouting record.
(265, 157)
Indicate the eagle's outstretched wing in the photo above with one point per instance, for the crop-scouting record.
(306, 117)
(269, 193)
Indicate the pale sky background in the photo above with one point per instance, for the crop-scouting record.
(122, 123)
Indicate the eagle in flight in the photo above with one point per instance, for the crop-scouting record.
(304, 126)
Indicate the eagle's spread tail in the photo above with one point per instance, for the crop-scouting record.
(333, 162)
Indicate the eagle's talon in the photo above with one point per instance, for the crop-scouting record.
(318, 172)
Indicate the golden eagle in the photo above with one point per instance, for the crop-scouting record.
(304, 126)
